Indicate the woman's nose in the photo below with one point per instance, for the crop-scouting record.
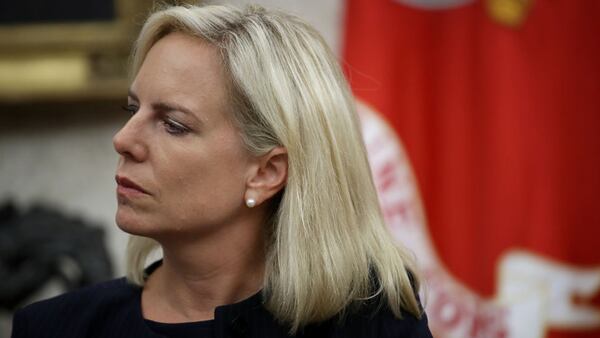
(129, 141)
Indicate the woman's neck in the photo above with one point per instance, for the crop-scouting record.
(198, 276)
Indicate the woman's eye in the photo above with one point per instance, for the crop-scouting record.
(174, 127)
(130, 108)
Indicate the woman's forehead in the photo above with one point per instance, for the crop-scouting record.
(186, 57)
(183, 68)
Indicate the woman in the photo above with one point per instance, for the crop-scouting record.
(243, 162)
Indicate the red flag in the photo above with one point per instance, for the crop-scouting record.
(497, 103)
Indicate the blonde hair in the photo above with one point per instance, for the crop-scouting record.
(329, 246)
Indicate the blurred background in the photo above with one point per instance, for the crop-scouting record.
(494, 108)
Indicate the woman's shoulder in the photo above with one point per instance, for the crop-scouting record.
(101, 294)
(90, 307)
(374, 318)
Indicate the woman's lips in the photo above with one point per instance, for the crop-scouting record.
(126, 186)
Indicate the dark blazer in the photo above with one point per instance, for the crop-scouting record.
(112, 309)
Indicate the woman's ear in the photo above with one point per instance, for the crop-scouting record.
(269, 177)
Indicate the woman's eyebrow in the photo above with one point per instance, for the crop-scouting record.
(169, 107)
(165, 107)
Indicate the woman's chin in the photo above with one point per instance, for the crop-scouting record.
(133, 225)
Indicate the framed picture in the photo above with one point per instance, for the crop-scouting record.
(67, 49)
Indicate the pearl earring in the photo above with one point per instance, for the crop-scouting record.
(250, 202)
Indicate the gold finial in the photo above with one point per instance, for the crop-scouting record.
(511, 13)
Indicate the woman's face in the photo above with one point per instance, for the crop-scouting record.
(182, 167)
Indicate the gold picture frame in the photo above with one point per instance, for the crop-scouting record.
(69, 61)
